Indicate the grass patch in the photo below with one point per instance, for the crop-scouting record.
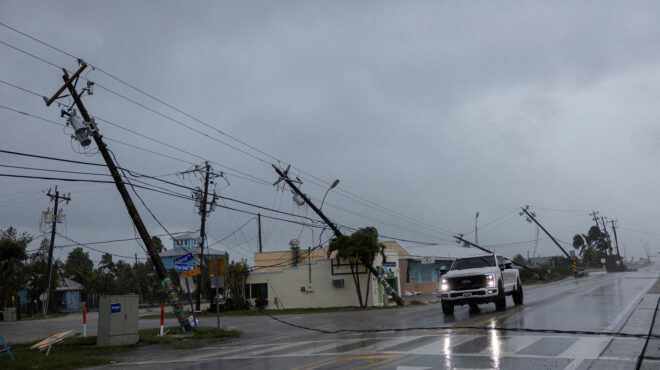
(77, 352)
(71, 353)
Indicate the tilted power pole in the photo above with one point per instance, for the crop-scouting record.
(55, 198)
(388, 289)
(91, 128)
(531, 217)
(616, 240)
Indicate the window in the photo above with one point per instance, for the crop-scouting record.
(182, 242)
(259, 290)
(473, 262)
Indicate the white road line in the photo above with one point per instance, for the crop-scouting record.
(585, 348)
(619, 319)
(617, 323)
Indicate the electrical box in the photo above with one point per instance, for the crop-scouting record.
(10, 314)
(118, 320)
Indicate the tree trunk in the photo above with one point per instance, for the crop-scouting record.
(356, 279)
(366, 295)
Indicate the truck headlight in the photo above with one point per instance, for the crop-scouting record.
(490, 280)
(444, 286)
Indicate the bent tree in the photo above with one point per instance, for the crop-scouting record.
(361, 246)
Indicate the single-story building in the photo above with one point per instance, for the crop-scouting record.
(421, 274)
(298, 279)
(69, 293)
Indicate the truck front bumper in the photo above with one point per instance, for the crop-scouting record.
(474, 296)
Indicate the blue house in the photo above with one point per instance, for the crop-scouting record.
(184, 244)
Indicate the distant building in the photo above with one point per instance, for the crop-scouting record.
(540, 261)
(184, 244)
(69, 294)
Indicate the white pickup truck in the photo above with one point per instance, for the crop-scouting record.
(480, 279)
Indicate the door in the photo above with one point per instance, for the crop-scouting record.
(508, 275)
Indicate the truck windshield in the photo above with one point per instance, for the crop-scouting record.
(473, 263)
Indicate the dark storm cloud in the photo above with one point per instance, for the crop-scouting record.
(435, 110)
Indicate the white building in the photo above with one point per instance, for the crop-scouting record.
(317, 282)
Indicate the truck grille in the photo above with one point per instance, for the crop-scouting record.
(467, 282)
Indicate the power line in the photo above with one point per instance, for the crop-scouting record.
(353, 197)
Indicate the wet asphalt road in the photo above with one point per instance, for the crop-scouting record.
(618, 302)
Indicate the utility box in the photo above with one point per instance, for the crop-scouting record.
(118, 320)
(10, 314)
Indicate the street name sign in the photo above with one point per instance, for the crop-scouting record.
(193, 272)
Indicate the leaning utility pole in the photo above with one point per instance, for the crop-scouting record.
(524, 210)
(202, 234)
(594, 215)
(616, 240)
(82, 130)
(388, 289)
(55, 198)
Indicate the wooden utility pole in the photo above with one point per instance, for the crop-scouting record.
(546, 232)
(259, 223)
(55, 198)
(594, 215)
(616, 240)
(128, 202)
(202, 234)
(335, 229)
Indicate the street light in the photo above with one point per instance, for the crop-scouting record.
(476, 237)
(334, 184)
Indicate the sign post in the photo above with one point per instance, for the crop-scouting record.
(217, 273)
(182, 264)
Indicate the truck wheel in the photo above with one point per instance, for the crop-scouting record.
(447, 308)
(500, 303)
(518, 295)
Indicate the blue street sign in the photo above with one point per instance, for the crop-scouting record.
(183, 259)
(183, 267)
(115, 307)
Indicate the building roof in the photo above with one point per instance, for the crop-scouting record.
(195, 250)
(187, 236)
(67, 285)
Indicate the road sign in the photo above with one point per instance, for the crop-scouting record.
(183, 259)
(574, 266)
(43, 296)
(183, 268)
(183, 263)
(428, 259)
(602, 260)
(193, 272)
(217, 267)
(217, 281)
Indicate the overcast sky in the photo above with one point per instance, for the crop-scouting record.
(433, 110)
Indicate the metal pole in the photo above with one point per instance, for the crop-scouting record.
(259, 223)
(191, 301)
(309, 256)
(217, 303)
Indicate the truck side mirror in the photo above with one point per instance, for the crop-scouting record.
(508, 265)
